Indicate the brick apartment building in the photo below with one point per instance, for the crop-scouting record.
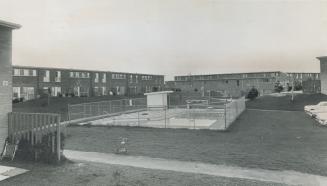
(32, 82)
(5, 76)
(237, 84)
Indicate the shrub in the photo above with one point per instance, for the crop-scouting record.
(253, 93)
(278, 87)
(26, 151)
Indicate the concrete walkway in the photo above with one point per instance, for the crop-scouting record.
(284, 177)
(7, 172)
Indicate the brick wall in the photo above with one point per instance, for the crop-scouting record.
(5, 82)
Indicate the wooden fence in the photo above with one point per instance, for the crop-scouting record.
(33, 127)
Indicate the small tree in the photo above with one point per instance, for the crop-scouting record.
(278, 87)
(253, 93)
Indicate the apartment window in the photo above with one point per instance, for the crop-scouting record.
(147, 88)
(28, 93)
(55, 91)
(104, 91)
(238, 82)
(58, 76)
(130, 78)
(71, 74)
(96, 77)
(26, 72)
(104, 77)
(136, 79)
(46, 77)
(34, 72)
(16, 72)
(16, 92)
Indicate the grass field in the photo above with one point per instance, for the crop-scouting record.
(58, 104)
(93, 174)
(284, 102)
(258, 139)
(276, 140)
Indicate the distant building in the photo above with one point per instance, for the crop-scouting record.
(233, 84)
(237, 84)
(32, 82)
(323, 73)
(5, 76)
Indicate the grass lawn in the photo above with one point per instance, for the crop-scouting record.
(58, 105)
(101, 174)
(284, 102)
(275, 140)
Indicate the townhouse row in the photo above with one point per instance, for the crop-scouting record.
(237, 84)
(33, 82)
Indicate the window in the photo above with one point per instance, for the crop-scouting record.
(118, 76)
(238, 82)
(16, 72)
(55, 91)
(130, 78)
(28, 93)
(104, 77)
(46, 77)
(79, 75)
(103, 91)
(16, 92)
(96, 80)
(26, 72)
(58, 76)
(136, 79)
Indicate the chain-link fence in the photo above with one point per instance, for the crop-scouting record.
(233, 110)
(196, 114)
(102, 108)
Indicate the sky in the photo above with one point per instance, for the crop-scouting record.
(169, 37)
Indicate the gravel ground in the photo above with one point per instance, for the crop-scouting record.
(99, 174)
(258, 139)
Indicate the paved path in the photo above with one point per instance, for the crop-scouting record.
(7, 172)
(272, 110)
(284, 177)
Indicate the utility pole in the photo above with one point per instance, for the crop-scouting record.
(292, 99)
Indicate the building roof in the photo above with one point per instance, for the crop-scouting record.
(9, 25)
(82, 70)
(235, 73)
(322, 57)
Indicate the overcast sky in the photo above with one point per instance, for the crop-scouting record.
(169, 37)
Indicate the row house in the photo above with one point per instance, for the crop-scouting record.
(232, 84)
(33, 82)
